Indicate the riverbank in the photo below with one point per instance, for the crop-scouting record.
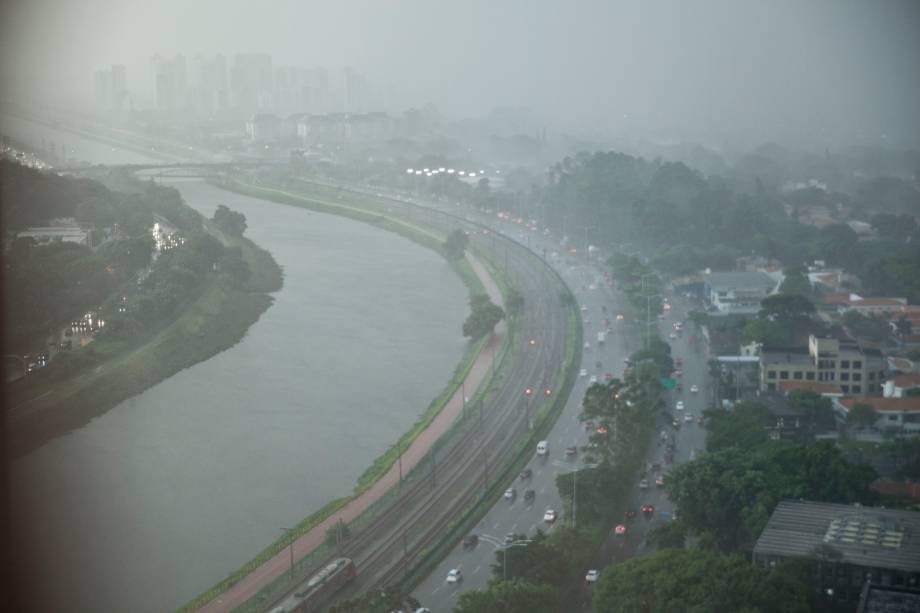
(381, 476)
(45, 407)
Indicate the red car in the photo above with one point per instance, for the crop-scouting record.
(620, 530)
(648, 509)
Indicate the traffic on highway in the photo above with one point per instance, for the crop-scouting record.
(532, 502)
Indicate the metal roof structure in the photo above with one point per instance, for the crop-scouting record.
(862, 536)
(740, 280)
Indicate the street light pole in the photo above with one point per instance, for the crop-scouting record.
(290, 532)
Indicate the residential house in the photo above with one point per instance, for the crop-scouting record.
(902, 385)
(872, 307)
(894, 414)
(845, 546)
(910, 314)
(737, 293)
(264, 127)
(857, 370)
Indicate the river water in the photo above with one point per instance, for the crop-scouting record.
(173, 489)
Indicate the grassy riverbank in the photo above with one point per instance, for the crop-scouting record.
(52, 403)
(420, 234)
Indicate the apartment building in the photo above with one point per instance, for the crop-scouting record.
(855, 369)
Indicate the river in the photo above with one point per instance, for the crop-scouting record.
(171, 490)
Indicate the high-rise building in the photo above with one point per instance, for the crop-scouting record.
(110, 87)
(251, 82)
(170, 78)
(356, 92)
(209, 91)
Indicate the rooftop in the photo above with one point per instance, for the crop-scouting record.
(863, 536)
(740, 280)
(884, 599)
(910, 379)
(900, 364)
(786, 355)
(910, 403)
(821, 388)
(878, 302)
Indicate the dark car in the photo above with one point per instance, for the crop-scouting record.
(648, 509)
(526, 474)
(571, 450)
(630, 514)
(470, 541)
(529, 495)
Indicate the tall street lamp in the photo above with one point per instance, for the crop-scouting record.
(504, 547)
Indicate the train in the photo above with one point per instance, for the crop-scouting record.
(316, 591)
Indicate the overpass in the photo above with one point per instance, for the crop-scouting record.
(182, 168)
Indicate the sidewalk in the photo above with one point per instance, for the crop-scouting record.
(279, 564)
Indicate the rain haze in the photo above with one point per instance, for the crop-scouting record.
(365, 306)
(724, 73)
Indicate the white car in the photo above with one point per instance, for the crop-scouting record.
(643, 484)
(680, 405)
(584, 308)
(509, 493)
(593, 379)
(454, 576)
(694, 388)
(583, 372)
(587, 345)
(672, 335)
(688, 417)
(592, 575)
(550, 516)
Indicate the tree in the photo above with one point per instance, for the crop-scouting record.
(795, 281)
(862, 415)
(694, 580)
(669, 535)
(871, 328)
(745, 426)
(817, 408)
(786, 307)
(768, 332)
(514, 302)
(229, 221)
(483, 317)
(514, 596)
(731, 493)
(455, 244)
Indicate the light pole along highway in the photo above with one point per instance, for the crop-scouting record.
(504, 547)
(575, 469)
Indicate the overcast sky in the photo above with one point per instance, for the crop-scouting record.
(819, 72)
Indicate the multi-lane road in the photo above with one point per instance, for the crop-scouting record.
(599, 303)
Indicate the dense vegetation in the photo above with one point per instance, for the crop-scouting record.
(695, 580)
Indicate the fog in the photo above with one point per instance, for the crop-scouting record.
(721, 72)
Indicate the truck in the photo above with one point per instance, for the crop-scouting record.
(601, 336)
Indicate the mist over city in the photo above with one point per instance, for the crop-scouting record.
(721, 73)
(470, 307)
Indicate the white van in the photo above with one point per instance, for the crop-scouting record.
(542, 448)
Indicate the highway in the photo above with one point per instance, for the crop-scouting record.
(517, 516)
(454, 473)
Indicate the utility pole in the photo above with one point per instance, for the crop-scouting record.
(399, 452)
(290, 532)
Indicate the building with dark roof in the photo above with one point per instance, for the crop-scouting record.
(847, 546)
(880, 599)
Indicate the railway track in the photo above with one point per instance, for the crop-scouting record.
(420, 514)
